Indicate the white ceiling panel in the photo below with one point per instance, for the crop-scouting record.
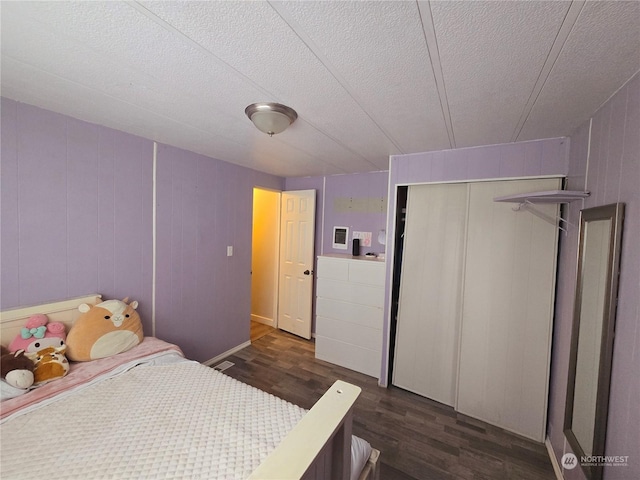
(601, 53)
(368, 79)
(270, 54)
(401, 97)
(491, 55)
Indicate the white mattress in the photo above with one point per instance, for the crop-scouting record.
(203, 425)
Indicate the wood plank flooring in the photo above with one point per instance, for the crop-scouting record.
(418, 438)
(259, 330)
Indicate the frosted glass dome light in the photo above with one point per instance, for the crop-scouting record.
(271, 118)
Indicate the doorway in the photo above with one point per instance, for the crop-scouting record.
(264, 262)
(282, 261)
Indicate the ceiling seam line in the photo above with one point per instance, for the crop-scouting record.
(564, 32)
(431, 40)
(297, 29)
(195, 128)
(115, 99)
(170, 28)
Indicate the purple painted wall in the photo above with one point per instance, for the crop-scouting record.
(606, 161)
(522, 159)
(76, 208)
(203, 297)
(77, 218)
(357, 201)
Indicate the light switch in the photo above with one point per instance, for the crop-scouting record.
(229, 251)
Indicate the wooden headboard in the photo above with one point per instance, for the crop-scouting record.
(65, 311)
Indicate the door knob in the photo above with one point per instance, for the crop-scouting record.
(307, 272)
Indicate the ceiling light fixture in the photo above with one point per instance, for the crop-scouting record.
(271, 118)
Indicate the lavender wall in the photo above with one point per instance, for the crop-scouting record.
(357, 201)
(76, 207)
(523, 159)
(203, 297)
(605, 158)
(77, 218)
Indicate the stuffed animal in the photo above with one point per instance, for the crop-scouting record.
(106, 329)
(38, 334)
(49, 364)
(16, 368)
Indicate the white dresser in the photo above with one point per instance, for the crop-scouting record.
(349, 305)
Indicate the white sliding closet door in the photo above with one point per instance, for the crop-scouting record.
(507, 309)
(428, 330)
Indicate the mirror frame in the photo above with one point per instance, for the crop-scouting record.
(614, 213)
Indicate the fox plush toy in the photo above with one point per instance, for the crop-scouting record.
(106, 329)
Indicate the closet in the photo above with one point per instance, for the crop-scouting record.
(475, 302)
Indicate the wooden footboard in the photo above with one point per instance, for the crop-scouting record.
(319, 446)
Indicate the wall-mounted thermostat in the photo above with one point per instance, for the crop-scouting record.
(340, 237)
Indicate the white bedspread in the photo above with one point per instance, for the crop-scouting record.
(146, 414)
(204, 425)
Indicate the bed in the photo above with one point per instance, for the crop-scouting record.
(151, 413)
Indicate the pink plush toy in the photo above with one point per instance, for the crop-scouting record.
(39, 334)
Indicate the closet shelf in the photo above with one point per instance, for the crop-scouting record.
(550, 196)
(527, 201)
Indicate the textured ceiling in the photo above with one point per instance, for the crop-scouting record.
(368, 79)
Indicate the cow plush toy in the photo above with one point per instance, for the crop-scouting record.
(50, 364)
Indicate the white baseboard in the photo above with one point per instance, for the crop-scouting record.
(263, 320)
(215, 360)
(554, 460)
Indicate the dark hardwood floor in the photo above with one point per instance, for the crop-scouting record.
(418, 438)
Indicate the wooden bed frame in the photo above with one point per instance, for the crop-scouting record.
(318, 447)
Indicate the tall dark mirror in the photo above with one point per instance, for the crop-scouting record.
(592, 335)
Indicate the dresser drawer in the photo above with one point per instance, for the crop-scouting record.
(351, 333)
(365, 315)
(350, 292)
(367, 272)
(333, 268)
(349, 356)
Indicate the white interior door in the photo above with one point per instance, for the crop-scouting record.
(297, 235)
(428, 329)
(507, 309)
